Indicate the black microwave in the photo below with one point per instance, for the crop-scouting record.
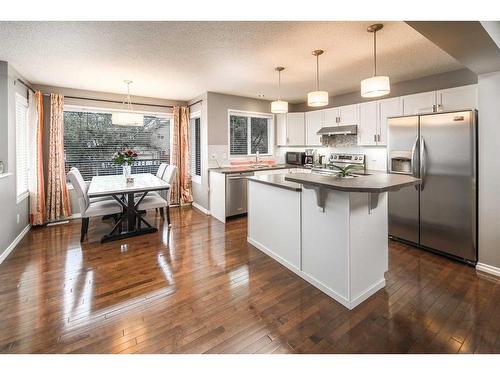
(296, 158)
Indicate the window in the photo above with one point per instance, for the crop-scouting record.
(22, 150)
(90, 140)
(195, 147)
(249, 133)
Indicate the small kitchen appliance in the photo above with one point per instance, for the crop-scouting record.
(295, 158)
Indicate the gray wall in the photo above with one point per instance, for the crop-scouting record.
(440, 81)
(218, 105)
(214, 111)
(200, 190)
(94, 104)
(10, 227)
(489, 168)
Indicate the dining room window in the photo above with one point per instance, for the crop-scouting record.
(195, 147)
(249, 132)
(22, 150)
(91, 139)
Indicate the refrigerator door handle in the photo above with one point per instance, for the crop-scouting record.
(423, 162)
(414, 169)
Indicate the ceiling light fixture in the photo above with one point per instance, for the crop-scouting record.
(377, 85)
(279, 106)
(317, 98)
(128, 117)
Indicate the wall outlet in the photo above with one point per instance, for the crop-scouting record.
(18, 218)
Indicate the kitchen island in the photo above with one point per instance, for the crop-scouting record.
(331, 231)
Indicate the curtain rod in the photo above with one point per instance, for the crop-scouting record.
(107, 100)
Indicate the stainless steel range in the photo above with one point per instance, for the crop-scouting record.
(343, 160)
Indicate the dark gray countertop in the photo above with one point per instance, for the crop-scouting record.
(376, 183)
(241, 169)
(277, 180)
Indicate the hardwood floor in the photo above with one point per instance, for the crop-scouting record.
(203, 289)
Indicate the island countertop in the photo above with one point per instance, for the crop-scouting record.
(376, 183)
(277, 180)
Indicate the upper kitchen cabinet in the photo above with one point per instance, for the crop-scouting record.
(387, 108)
(368, 124)
(281, 129)
(331, 116)
(295, 129)
(314, 122)
(419, 103)
(457, 98)
(290, 129)
(348, 115)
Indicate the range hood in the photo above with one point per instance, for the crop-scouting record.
(336, 130)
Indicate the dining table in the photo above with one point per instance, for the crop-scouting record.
(129, 193)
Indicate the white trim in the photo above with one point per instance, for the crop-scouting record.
(14, 243)
(318, 284)
(3, 175)
(196, 179)
(90, 109)
(201, 208)
(195, 114)
(22, 196)
(488, 269)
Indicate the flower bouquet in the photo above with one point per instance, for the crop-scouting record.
(125, 158)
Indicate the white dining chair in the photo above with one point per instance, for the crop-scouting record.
(154, 201)
(90, 209)
(159, 173)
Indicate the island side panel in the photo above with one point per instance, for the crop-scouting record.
(274, 222)
(368, 238)
(325, 242)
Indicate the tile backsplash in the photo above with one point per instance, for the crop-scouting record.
(376, 157)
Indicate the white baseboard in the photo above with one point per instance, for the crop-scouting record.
(14, 243)
(488, 269)
(318, 284)
(201, 208)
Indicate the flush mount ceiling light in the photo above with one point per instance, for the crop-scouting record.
(317, 98)
(279, 106)
(377, 85)
(128, 117)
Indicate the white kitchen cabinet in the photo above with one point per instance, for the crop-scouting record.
(281, 129)
(296, 129)
(314, 122)
(387, 108)
(368, 124)
(415, 104)
(330, 116)
(348, 115)
(457, 98)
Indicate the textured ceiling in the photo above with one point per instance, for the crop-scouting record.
(179, 60)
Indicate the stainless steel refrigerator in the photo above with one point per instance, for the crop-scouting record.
(441, 213)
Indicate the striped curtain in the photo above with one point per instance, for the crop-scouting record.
(179, 156)
(58, 206)
(36, 184)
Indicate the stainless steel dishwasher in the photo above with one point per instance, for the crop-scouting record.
(236, 193)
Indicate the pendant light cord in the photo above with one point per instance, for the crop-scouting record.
(317, 72)
(279, 85)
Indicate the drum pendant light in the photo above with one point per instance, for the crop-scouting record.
(377, 85)
(279, 106)
(317, 98)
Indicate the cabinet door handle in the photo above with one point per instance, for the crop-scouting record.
(374, 137)
(378, 137)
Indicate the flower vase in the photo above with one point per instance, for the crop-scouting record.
(127, 172)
